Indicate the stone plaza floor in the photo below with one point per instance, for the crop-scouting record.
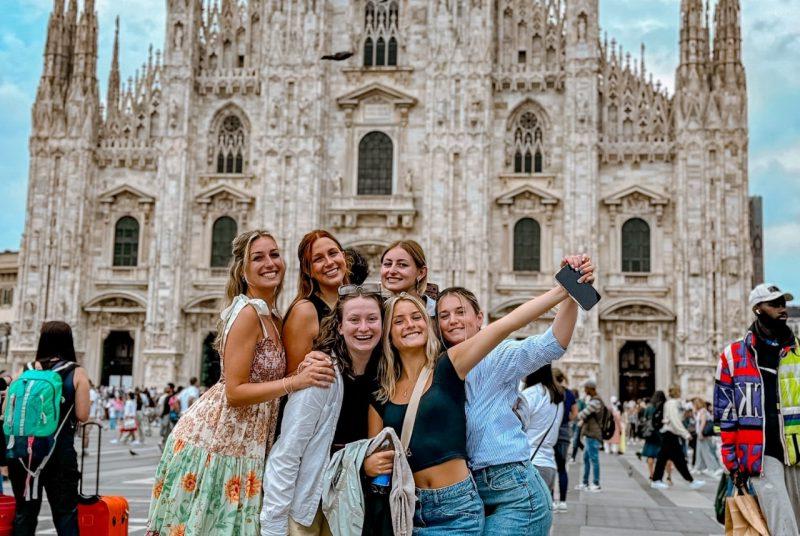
(627, 506)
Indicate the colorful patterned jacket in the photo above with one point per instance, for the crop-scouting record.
(739, 405)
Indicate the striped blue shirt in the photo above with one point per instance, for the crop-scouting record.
(494, 432)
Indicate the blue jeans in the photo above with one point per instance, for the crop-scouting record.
(455, 510)
(591, 456)
(516, 498)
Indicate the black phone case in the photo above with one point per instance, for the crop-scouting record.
(584, 293)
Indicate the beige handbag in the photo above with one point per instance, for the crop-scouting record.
(413, 406)
(743, 516)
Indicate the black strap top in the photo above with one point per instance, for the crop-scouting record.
(440, 431)
(320, 306)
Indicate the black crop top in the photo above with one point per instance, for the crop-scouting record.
(440, 431)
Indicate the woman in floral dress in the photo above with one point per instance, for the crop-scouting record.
(209, 478)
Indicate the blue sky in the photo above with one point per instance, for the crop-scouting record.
(771, 55)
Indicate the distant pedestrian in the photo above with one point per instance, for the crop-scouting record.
(541, 418)
(188, 396)
(650, 430)
(671, 449)
(614, 444)
(577, 444)
(706, 449)
(591, 431)
(561, 450)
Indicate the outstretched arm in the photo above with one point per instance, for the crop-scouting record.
(465, 355)
(564, 323)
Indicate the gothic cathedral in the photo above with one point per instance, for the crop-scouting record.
(501, 134)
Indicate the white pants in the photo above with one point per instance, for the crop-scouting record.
(778, 492)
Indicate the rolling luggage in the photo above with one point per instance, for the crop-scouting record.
(8, 507)
(100, 516)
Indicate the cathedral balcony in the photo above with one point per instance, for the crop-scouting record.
(522, 283)
(126, 153)
(390, 211)
(208, 279)
(639, 151)
(526, 80)
(227, 82)
(635, 284)
(129, 277)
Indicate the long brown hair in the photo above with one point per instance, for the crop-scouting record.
(307, 285)
(390, 367)
(237, 283)
(417, 254)
(331, 342)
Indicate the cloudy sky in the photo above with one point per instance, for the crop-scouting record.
(771, 56)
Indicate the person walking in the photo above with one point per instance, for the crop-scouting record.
(671, 449)
(209, 478)
(189, 395)
(541, 418)
(589, 422)
(167, 417)
(59, 476)
(705, 449)
(561, 450)
(760, 433)
(650, 430)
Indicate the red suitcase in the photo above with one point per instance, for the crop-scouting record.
(8, 507)
(100, 516)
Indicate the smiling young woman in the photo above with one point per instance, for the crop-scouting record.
(404, 269)
(323, 268)
(209, 478)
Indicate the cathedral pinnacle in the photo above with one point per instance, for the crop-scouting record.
(112, 95)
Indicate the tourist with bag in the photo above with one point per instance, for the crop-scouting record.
(590, 420)
(413, 363)
(756, 401)
(209, 478)
(40, 450)
(650, 431)
(705, 448)
(320, 421)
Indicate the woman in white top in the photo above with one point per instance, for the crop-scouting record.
(541, 415)
(316, 417)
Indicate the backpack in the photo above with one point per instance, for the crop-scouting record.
(174, 409)
(606, 421)
(32, 419)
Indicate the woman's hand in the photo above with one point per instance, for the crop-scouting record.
(379, 463)
(315, 358)
(314, 375)
(582, 263)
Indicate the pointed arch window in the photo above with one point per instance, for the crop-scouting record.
(126, 242)
(381, 33)
(375, 156)
(222, 234)
(527, 246)
(635, 246)
(230, 145)
(527, 143)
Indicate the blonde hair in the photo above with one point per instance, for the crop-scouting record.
(390, 366)
(417, 255)
(237, 282)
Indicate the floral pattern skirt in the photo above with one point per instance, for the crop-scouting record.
(201, 493)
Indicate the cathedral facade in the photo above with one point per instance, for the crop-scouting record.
(500, 134)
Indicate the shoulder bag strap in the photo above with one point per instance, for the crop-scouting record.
(413, 406)
(544, 436)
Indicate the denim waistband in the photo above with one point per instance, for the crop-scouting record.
(441, 495)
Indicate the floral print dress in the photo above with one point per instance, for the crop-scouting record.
(209, 478)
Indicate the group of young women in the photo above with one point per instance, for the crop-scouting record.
(350, 356)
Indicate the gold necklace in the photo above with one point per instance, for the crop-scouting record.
(414, 383)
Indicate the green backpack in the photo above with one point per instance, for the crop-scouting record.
(32, 419)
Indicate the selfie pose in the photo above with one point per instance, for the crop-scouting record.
(516, 498)
(448, 499)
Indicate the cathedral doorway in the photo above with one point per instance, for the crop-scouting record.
(637, 377)
(210, 369)
(118, 360)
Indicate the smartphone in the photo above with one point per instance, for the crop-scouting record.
(584, 293)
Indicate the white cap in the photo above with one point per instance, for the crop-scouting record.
(766, 292)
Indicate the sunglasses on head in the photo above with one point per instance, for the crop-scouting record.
(364, 288)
